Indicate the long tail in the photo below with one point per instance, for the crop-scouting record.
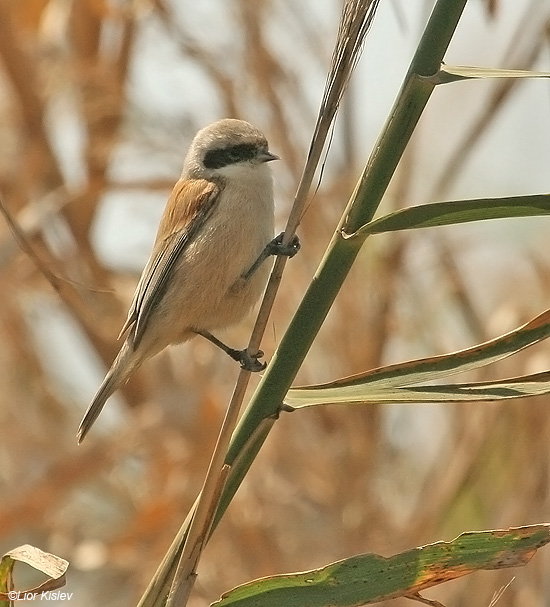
(121, 369)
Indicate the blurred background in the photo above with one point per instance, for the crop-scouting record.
(99, 100)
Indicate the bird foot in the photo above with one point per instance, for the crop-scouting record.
(276, 246)
(248, 362)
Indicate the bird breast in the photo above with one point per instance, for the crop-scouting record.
(242, 223)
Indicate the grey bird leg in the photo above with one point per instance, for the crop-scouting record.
(248, 362)
(275, 247)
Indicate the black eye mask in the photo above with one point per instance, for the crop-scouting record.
(221, 157)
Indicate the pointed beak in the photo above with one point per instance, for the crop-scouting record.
(267, 156)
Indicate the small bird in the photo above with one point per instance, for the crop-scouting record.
(206, 269)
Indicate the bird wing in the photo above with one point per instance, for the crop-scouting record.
(189, 206)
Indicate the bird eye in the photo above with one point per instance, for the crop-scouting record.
(220, 157)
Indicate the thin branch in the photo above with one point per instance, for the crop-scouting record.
(420, 599)
(26, 246)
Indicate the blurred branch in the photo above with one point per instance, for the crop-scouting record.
(69, 291)
(26, 247)
(499, 96)
(451, 472)
(203, 57)
(42, 174)
(460, 291)
(268, 75)
(27, 505)
(102, 81)
(43, 165)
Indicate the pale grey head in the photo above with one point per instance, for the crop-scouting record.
(225, 144)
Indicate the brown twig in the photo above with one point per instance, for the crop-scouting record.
(420, 599)
(25, 245)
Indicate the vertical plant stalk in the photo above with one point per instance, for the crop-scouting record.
(340, 255)
(356, 19)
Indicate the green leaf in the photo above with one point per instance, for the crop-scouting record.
(536, 384)
(6, 580)
(369, 578)
(394, 383)
(456, 211)
(449, 73)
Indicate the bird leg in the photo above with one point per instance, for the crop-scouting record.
(249, 362)
(275, 247)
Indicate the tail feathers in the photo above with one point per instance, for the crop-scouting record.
(117, 375)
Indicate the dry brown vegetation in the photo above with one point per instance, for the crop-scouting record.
(329, 483)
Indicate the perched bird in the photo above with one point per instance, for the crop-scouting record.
(206, 270)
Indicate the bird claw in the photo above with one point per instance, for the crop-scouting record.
(250, 362)
(276, 246)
